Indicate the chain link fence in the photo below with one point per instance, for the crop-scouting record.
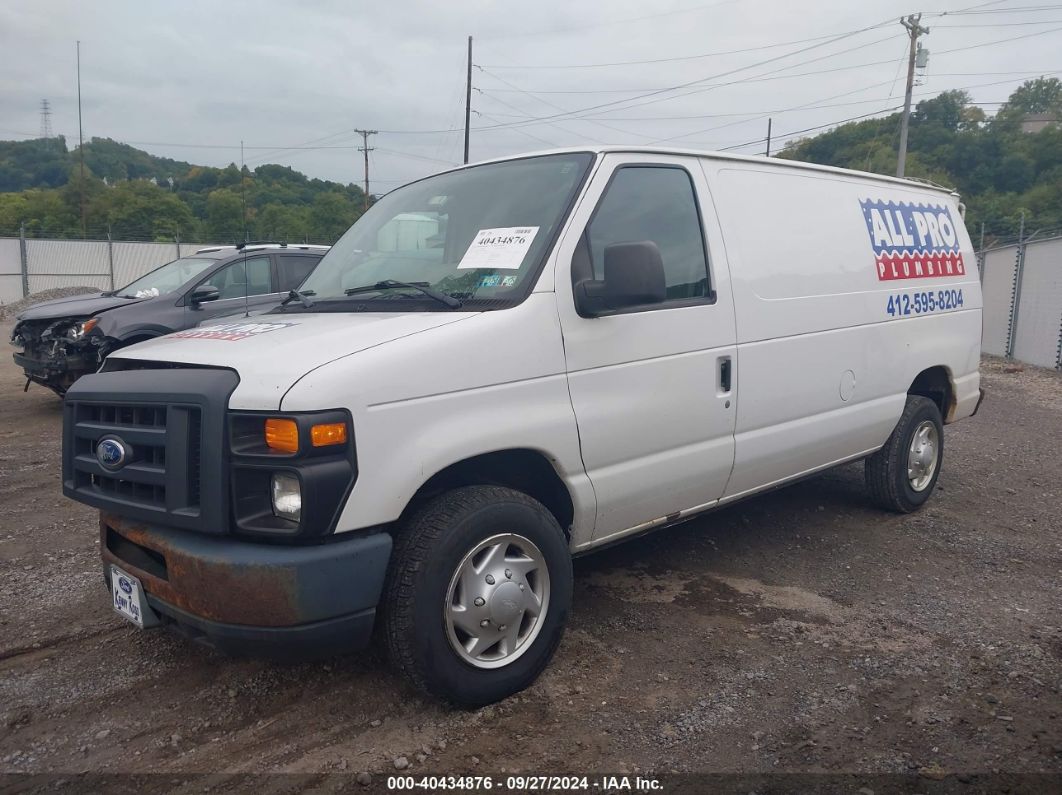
(29, 265)
(1022, 285)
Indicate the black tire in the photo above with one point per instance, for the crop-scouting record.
(429, 547)
(886, 470)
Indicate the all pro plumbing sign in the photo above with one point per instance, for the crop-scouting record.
(912, 241)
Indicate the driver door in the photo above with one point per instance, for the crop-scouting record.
(652, 386)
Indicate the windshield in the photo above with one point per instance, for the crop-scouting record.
(167, 278)
(477, 235)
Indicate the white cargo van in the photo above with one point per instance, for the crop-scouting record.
(569, 349)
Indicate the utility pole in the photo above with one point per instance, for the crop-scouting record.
(768, 136)
(366, 149)
(914, 30)
(243, 196)
(468, 96)
(80, 145)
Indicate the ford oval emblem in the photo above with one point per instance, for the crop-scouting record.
(112, 453)
(125, 585)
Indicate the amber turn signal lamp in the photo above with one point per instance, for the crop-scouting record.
(328, 434)
(282, 435)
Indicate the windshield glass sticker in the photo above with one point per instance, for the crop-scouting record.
(508, 281)
(490, 281)
(912, 241)
(503, 248)
(231, 331)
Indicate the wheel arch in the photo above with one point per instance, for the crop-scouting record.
(523, 469)
(936, 384)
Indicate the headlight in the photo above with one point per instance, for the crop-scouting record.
(287, 496)
(81, 328)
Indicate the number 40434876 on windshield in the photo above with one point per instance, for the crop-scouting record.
(920, 303)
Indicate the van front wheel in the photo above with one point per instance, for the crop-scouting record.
(477, 594)
(903, 473)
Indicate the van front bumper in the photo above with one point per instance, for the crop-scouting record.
(251, 597)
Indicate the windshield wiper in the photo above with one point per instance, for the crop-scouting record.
(391, 284)
(303, 298)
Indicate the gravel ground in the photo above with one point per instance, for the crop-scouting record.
(9, 311)
(801, 632)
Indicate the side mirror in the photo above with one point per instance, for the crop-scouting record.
(204, 292)
(634, 275)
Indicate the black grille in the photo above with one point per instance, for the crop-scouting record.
(153, 434)
(171, 423)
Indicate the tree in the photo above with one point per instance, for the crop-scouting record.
(1042, 95)
(224, 216)
(331, 215)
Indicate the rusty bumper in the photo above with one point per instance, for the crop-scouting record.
(249, 596)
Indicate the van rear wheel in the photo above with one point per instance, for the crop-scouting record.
(477, 594)
(903, 473)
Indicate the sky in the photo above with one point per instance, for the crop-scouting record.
(191, 80)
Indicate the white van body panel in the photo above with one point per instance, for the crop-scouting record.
(629, 409)
(272, 352)
(811, 315)
(495, 382)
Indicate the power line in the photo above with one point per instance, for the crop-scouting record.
(998, 41)
(812, 129)
(522, 132)
(547, 104)
(413, 156)
(1002, 24)
(611, 23)
(766, 114)
(691, 83)
(630, 102)
(661, 60)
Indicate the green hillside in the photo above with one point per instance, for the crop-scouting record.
(138, 196)
(999, 170)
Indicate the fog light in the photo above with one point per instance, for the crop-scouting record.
(287, 497)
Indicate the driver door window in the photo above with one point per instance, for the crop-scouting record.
(236, 280)
(653, 203)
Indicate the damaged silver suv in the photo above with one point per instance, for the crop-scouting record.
(59, 341)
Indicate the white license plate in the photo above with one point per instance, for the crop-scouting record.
(127, 596)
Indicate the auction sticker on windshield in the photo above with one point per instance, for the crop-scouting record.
(503, 248)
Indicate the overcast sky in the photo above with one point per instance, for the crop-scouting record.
(190, 79)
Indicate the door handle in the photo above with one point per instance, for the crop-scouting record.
(725, 368)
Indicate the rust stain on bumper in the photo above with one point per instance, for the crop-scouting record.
(206, 586)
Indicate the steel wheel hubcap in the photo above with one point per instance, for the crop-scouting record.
(496, 601)
(923, 456)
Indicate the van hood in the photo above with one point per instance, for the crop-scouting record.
(75, 306)
(272, 352)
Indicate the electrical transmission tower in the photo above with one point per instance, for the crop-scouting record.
(46, 119)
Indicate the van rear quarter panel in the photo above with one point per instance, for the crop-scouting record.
(822, 367)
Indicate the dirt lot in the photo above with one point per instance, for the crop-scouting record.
(800, 632)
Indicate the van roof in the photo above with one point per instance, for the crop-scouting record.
(710, 155)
